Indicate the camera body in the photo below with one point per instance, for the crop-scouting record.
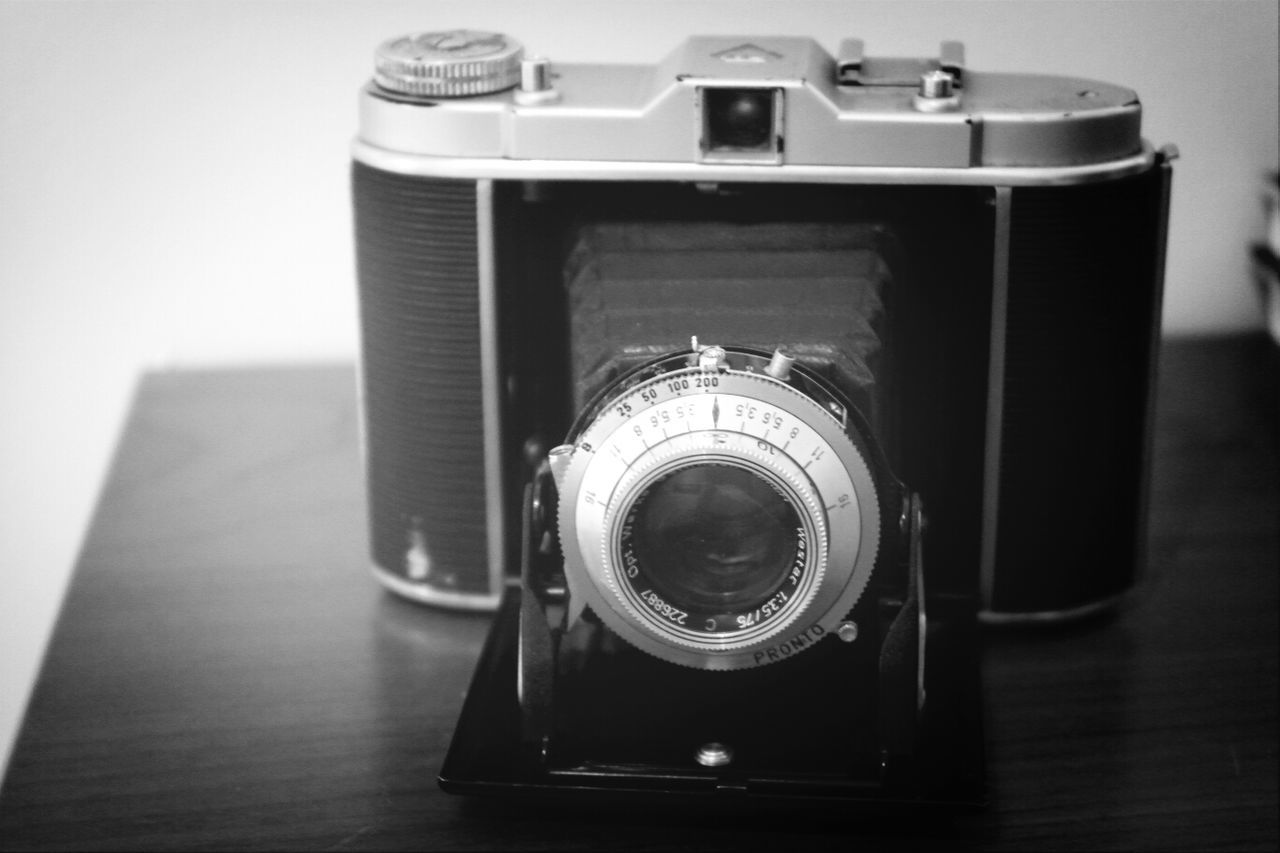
(673, 363)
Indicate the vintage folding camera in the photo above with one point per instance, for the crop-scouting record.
(740, 384)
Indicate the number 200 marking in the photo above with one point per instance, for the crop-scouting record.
(675, 386)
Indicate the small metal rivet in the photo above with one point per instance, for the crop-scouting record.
(937, 93)
(535, 83)
(535, 74)
(780, 365)
(712, 358)
(936, 84)
(848, 631)
(714, 755)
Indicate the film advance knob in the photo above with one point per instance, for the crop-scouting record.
(450, 64)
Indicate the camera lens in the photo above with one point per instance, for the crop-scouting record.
(739, 119)
(716, 517)
(713, 537)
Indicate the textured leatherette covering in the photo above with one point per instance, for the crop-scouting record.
(421, 374)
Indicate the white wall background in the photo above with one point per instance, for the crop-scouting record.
(173, 191)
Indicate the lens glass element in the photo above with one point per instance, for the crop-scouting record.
(713, 538)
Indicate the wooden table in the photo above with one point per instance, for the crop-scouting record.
(225, 674)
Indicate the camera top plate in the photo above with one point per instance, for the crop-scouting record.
(637, 121)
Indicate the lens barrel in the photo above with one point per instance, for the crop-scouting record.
(712, 516)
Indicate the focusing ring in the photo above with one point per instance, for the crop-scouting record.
(687, 416)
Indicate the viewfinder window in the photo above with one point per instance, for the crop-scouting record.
(741, 125)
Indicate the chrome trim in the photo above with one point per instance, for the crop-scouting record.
(496, 168)
(491, 400)
(995, 393)
(1165, 160)
(1041, 617)
(430, 595)
(640, 113)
